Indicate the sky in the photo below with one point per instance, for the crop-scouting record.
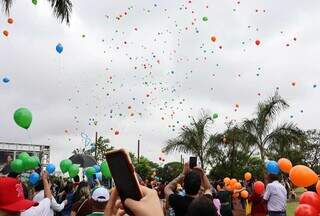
(141, 69)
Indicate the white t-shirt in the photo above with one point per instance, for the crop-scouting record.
(54, 205)
(276, 195)
(43, 209)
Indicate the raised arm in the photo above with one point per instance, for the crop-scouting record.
(171, 187)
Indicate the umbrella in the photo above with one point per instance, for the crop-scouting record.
(83, 159)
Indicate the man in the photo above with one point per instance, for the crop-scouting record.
(192, 182)
(275, 196)
(13, 202)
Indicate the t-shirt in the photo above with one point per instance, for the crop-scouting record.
(89, 206)
(54, 206)
(180, 204)
(276, 195)
(43, 209)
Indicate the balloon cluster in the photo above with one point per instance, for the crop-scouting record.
(233, 184)
(24, 162)
(67, 166)
(99, 171)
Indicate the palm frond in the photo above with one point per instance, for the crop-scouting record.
(62, 9)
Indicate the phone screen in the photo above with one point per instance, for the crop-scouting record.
(192, 162)
(123, 175)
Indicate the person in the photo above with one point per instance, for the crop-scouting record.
(192, 182)
(68, 194)
(80, 198)
(95, 204)
(216, 202)
(6, 167)
(82, 192)
(258, 207)
(225, 199)
(275, 196)
(201, 206)
(13, 202)
(39, 196)
(149, 205)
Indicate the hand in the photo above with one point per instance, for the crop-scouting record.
(114, 206)
(149, 205)
(186, 169)
(44, 175)
(65, 202)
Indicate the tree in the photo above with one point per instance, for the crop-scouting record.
(193, 139)
(145, 168)
(61, 8)
(101, 148)
(312, 150)
(169, 171)
(260, 131)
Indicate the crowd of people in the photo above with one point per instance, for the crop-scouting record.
(189, 194)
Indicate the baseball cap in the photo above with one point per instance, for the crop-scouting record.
(100, 194)
(12, 197)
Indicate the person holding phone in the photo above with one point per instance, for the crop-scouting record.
(192, 180)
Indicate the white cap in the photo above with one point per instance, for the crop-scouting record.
(100, 194)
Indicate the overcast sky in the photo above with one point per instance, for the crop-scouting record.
(154, 60)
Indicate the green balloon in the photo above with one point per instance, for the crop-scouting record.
(37, 160)
(90, 171)
(35, 2)
(73, 170)
(24, 156)
(17, 166)
(105, 169)
(215, 115)
(65, 165)
(205, 18)
(23, 117)
(30, 163)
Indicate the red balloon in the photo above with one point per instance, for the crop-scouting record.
(116, 133)
(258, 187)
(310, 198)
(257, 42)
(305, 210)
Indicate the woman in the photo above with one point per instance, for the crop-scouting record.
(68, 193)
(258, 207)
(225, 199)
(80, 207)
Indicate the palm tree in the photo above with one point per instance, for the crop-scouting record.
(61, 8)
(193, 139)
(260, 130)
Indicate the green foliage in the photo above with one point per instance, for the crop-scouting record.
(145, 168)
(169, 171)
(102, 147)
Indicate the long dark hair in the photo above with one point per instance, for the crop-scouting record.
(202, 206)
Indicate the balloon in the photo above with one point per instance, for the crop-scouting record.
(257, 42)
(30, 163)
(90, 171)
(5, 80)
(10, 20)
(5, 33)
(73, 170)
(233, 181)
(23, 156)
(99, 176)
(16, 166)
(310, 198)
(65, 165)
(116, 133)
(50, 168)
(97, 168)
(247, 176)
(244, 194)
(305, 210)
(205, 18)
(215, 116)
(34, 178)
(258, 187)
(318, 187)
(237, 186)
(35, 2)
(226, 181)
(59, 48)
(37, 160)
(213, 39)
(105, 169)
(285, 165)
(23, 117)
(272, 167)
(303, 176)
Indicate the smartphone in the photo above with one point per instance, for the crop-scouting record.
(192, 162)
(124, 177)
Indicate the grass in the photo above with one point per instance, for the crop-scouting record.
(291, 206)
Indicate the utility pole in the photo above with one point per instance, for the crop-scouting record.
(95, 147)
(138, 151)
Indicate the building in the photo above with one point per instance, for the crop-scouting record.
(13, 149)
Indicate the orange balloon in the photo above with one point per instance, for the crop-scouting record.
(247, 176)
(233, 181)
(285, 165)
(5, 33)
(235, 195)
(213, 38)
(10, 20)
(303, 176)
(318, 187)
(237, 186)
(226, 181)
(244, 194)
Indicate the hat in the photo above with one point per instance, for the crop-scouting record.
(12, 197)
(100, 194)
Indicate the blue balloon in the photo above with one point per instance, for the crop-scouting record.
(97, 168)
(99, 176)
(273, 167)
(59, 48)
(5, 80)
(34, 178)
(50, 168)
